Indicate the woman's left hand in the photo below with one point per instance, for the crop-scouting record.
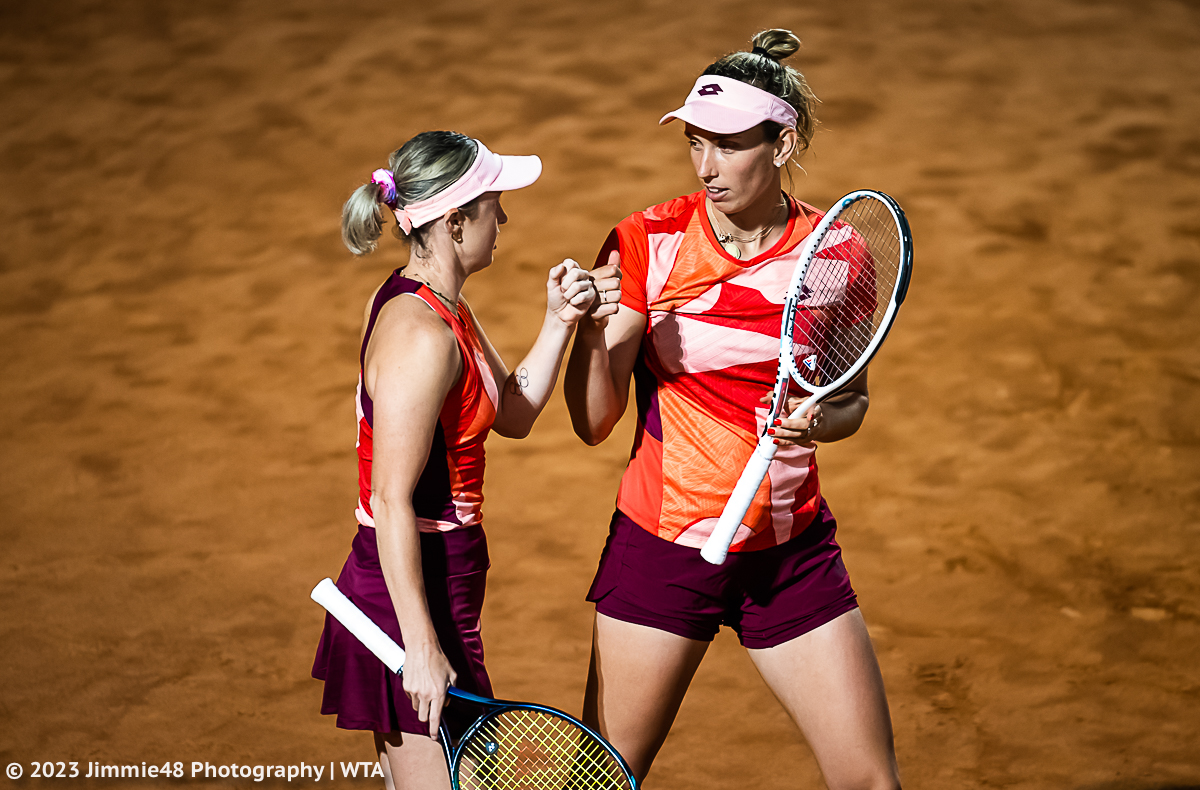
(803, 429)
(569, 292)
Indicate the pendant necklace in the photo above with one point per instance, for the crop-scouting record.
(728, 241)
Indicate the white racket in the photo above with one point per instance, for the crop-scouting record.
(851, 279)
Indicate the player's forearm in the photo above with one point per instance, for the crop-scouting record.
(399, 545)
(593, 400)
(841, 417)
(528, 388)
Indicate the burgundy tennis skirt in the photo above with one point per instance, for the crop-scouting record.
(363, 693)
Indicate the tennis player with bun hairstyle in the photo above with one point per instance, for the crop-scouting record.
(701, 281)
(431, 386)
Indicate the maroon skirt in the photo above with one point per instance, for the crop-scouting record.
(359, 689)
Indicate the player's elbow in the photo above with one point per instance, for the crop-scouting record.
(856, 414)
(386, 501)
(512, 431)
(591, 434)
(592, 424)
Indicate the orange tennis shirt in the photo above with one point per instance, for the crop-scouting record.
(710, 351)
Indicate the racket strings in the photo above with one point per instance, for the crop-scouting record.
(845, 294)
(526, 749)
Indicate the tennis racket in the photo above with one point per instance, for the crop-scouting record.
(509, 745)
(851, 280)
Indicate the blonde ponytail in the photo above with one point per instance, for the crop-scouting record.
(422, 167)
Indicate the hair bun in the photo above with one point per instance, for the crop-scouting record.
(776, 44)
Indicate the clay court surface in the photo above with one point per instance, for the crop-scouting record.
(179, 327)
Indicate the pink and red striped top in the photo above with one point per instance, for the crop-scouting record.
(710, 351)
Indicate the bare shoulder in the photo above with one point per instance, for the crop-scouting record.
(411, 344)
(411, 321)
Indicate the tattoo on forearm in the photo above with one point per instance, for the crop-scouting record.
(520, 380)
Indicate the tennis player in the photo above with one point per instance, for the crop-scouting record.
(700, 282)
(431, 386)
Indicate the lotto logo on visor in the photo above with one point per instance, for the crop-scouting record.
(728, 106)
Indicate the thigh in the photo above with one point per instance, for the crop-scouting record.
(636, 684)
(411, 762)
(829, 682)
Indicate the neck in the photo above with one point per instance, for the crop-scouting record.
(756, 228)
(445, 279)
(770, 207)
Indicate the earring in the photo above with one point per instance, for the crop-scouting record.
(457, 236)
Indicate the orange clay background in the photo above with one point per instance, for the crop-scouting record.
(180, 327)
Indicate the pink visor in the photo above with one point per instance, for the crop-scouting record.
(488, 173)
(728, 106)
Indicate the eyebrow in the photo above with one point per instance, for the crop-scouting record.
(720, 139)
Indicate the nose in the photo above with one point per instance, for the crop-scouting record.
(706, 165)
(501, 217)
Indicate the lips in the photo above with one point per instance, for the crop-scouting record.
(716, 193)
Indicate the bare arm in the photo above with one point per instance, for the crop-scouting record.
(837, 418)
(525, 391)
(411, 364)
(600, 367)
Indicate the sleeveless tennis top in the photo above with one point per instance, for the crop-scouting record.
(710, 351)
(449, 493)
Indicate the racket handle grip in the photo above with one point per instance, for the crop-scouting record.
(718, 543)
(372, 636)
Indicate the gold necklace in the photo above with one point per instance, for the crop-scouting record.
(728, 241)
(451, 303)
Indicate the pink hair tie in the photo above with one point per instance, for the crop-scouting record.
(384, 178)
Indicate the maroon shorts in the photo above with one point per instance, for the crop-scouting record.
(363, 693)
(768, 597)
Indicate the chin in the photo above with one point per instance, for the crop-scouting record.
(730, 206)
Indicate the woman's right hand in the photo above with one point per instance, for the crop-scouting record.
(607, 281)
(427, 676)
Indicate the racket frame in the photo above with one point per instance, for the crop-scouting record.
(383, 647)
(716, 548)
